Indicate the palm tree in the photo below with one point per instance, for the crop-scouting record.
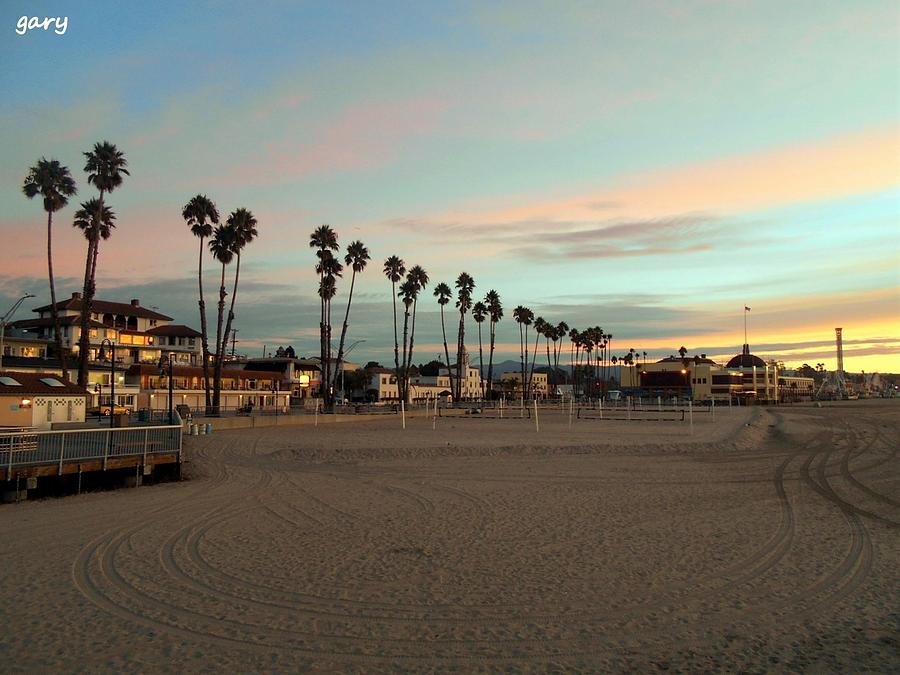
(495, 308)
(243, 225)
(222, 248)
(408, 293)
(394, 269)
(105, 166)
(329, 269)
(443, 293)
(201, 214)
(562, 328)
(324, 239)
(357, 257)
(55, 184)
(465, 284)
(523, 317)
(419, 280)
(479, 313)
(540, 326)
(86, 221)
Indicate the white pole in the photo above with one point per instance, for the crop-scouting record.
(691, 416)
(537, 426)
(434, 415)
(317, 412)
(601, 408)
(502, 399)
(403, 412)
(522, 406)
(571, 406)
(659, 404)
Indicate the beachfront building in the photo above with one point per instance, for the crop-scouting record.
(141, 335)
(745, 377)
(511, 385)
(242, 389)
(382, 385)
(470, 389)
(425, 388)
(34, 400)
(300, 377)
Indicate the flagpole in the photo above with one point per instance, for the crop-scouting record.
(745, 324)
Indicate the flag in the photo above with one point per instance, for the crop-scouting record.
(746, 309)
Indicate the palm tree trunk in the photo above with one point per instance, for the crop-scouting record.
(204, 330)
(522, 356)
(491, 361)
(401, 385)
(57, 330)
(230, 321)
(549, 366)
(446, 350)
(396, 341)
(460, 342)
(340, 356)
(217, 375)
(412, 339)
(537, 339)
(87, 298)
(480, 361)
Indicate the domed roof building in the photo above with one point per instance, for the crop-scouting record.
(745, 360)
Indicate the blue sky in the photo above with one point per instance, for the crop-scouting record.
(648, 167)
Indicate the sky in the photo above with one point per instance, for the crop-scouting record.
(647, 167)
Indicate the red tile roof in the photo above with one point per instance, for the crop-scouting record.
(31, 384)
(174, 330)
(105, 306)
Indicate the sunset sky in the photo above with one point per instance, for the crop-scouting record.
(648, 167)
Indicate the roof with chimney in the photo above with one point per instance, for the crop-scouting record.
(104, 306)
(47, 322)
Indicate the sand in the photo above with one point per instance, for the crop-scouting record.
(766, 541)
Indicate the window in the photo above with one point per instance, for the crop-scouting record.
(192, 341)
(152, 322)
(52, 382)
(10, 382)
(93, 332)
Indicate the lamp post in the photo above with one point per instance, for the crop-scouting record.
(98, 389)
(6, 318)
(112, 376)
(341, 365)
(170, 361)
(275, 395)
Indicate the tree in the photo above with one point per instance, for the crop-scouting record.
(464, 287)
(357, 257)
(200, 214)
(394, 269)
(540, 327)
(243, 226)
(105, 166)
(418, 279)
(52, 181)
(290, 353)
(495, 309)
(94, 230)
(523, 316)
(443, 293)
(324, 240)
(562, 328)
(479, 313)
(431, 369)
(221, 247)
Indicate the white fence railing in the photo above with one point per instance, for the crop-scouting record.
(32, 448)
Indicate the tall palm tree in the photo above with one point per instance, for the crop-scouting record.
(55, 184)
(324, 240)
(105, 166)
(86, 220)
(495, 308)
(465, 284)
(394, 269)
(443, 293)
(562, 328)
(540, 326)
(407, 293)
(329, 269)
(479, 314)
(523, 316)
(357, 258)
(243, 224)
(201, 214)
(419, 279)
(221, 247)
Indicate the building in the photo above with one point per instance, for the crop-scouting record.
(745, 377)
(39, 401)
(141, 335)
(300, 377)
(511, 384)
(241, 388)
(470, 388)
(425, 388)
(382, 385)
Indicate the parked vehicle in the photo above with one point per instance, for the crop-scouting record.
(105, 410)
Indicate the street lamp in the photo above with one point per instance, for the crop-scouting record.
(170, 361)
(112, 376)
(98, 390)
(275, 395)
(341, 365)
(6, 318)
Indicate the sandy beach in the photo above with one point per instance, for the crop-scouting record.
(765, 541)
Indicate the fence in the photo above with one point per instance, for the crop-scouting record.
(34, 448)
